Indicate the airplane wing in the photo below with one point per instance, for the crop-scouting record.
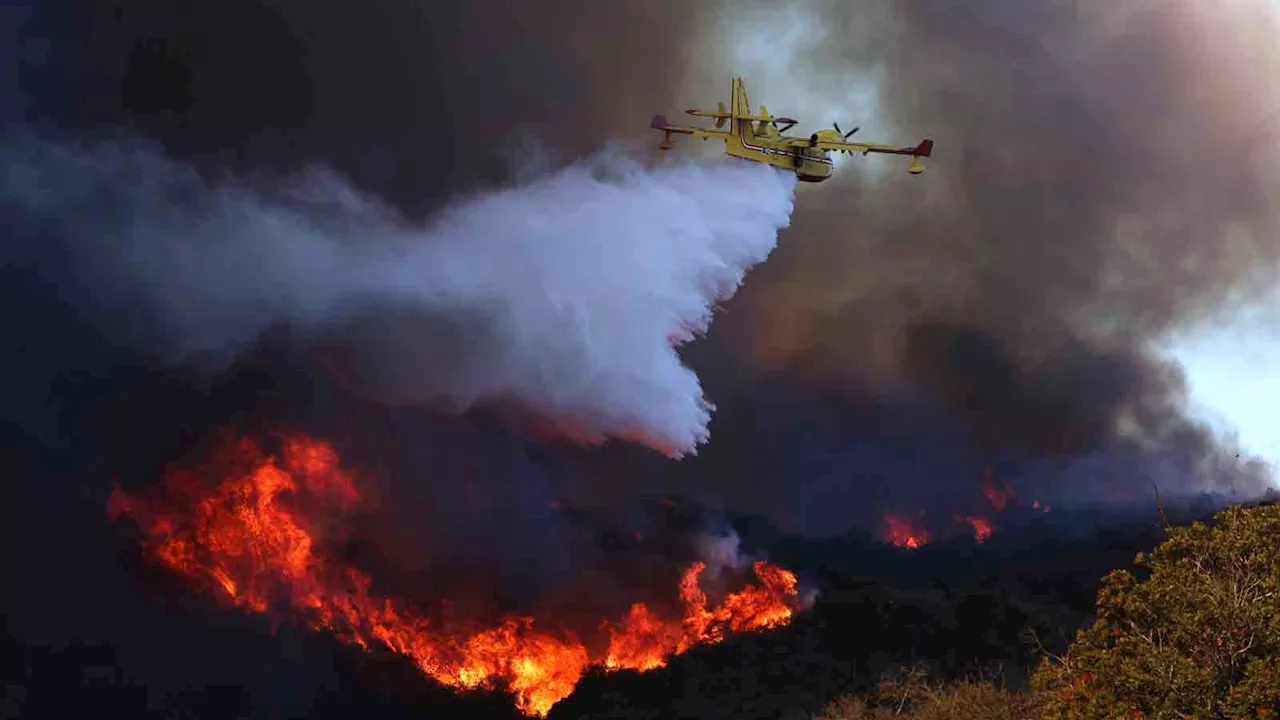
(660, 123)
(924, 149)
(720, 114)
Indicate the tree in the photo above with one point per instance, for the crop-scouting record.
(1195, 634)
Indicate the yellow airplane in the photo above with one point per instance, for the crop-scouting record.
(759, 139)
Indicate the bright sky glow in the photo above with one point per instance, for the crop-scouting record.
(775, 50)
(1233, 377)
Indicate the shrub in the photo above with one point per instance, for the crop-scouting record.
(1197, 636)
(909, 696)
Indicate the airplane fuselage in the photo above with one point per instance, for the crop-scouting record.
(809, 164)
(753, 141)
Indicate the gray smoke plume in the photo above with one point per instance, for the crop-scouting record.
(1105, 173)
(1104, 176)
(568, 294)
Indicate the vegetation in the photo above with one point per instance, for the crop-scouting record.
(911, 696)
(1193, 633)
(1197, 636)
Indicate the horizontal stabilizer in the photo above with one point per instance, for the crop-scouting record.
(767, 118)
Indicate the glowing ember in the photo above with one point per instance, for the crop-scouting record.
(903, 534)
(256, 536)
(981, 527)
(998, 497)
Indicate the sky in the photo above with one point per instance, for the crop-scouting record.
(1233, 377)
(1233, 362)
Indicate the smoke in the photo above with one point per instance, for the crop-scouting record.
(567, 295)
(1104, 175)
(1102, 179)
(721, 551)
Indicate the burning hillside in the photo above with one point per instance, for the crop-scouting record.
(260, 532)
(911, 533)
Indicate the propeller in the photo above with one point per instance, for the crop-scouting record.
(813, 139)
(781, 124)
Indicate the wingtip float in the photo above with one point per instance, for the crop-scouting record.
(761, 138)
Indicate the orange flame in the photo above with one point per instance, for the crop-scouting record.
(642, 641)
(256, 538)
(902, 533)
(982, 528)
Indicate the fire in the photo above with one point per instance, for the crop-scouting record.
(642, 641)
(982, 528)
(902, 533)
(906, 533)
(256, 536)
(998, 497)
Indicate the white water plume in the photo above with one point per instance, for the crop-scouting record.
(567, 294)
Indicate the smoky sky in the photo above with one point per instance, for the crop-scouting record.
(1100, 177)
(1107, 174)
(1103, 176)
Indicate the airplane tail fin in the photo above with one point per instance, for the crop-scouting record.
(924, 149)
(659, 122)
(740, 105)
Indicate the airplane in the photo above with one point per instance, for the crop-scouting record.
(760, 139)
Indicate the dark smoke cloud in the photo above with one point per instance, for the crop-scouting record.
(1100, 178)
(1108, 172)
(1104, 175)
(415, 103)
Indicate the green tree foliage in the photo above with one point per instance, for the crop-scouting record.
(1196, 634)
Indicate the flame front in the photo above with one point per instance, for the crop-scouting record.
(642, 641)
(254, 534)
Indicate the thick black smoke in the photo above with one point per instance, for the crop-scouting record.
(1103, 177)
(415, 108)
(1100, 179)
